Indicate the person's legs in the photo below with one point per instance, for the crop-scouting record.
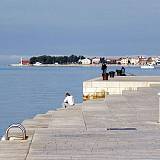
(65, 105)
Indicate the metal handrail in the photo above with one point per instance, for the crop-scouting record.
(20, 126)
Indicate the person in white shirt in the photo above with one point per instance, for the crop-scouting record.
(68, 101)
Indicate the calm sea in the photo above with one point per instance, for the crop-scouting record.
(27, 91)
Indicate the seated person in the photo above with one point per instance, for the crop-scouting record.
(123, 71)
(68, 101)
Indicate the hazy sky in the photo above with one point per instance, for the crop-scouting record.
(89, 27)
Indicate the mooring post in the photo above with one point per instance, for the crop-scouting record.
(159, 109)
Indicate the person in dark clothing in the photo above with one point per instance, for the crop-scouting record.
(123, 71)
(104, 68)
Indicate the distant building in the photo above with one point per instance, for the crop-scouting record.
(142, 60)
(85, 61)
(118, 61)
(124, 61)
(158, 62)
(151, 61)
(111, 61)
(155, 58)
(37, 64)
(24, 61)
(134, 61)
(95, 60)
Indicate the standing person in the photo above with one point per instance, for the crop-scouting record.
(68, 101)
(104, 68)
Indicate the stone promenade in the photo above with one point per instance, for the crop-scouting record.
(121, 127)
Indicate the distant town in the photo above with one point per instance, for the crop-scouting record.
(82, 60)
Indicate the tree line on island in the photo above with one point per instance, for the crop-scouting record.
(56, 59)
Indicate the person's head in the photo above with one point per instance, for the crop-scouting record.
(67, 94)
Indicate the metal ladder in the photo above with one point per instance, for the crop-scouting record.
(20, 126)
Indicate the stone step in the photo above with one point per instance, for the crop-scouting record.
(155, 85)
(148, 89)
(34, 123)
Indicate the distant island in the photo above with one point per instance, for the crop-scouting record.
(71, 60)
(74, 60)
(56, 59)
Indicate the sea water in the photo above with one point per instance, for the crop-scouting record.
(27, 91)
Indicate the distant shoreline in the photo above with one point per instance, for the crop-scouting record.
(71, 65)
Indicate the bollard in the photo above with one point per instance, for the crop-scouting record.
(159, 109)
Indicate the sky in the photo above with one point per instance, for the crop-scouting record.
(81, 27)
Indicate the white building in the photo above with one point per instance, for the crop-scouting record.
(142, 60)
(134, 61)
(124, 61)
(151, 61)
(37, 64)
(85, 61)
(95, 60)
(158, 62)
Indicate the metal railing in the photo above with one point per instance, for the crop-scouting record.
(20, 126)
